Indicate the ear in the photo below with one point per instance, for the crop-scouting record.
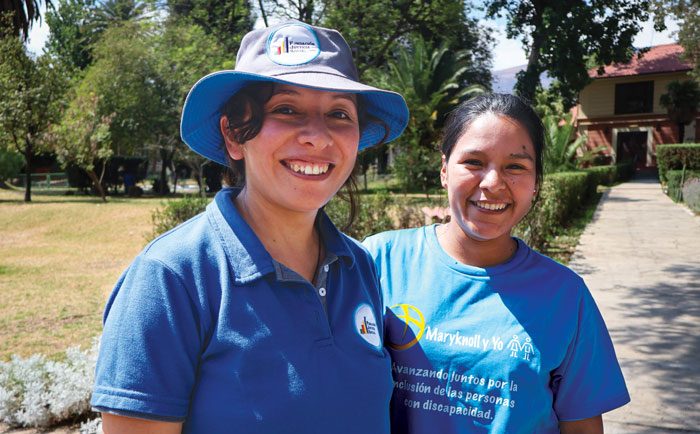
(234, 149)
(443, 173)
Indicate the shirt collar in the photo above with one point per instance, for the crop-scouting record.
(247, 256)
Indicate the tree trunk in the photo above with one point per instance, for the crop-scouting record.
(98, 185)
(200, 180)
(529, 80)
(28, 172)
(163, 174)
(681, 132)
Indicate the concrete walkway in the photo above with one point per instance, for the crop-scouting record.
(641, 259)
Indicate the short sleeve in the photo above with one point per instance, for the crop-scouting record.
(150, 345)
(589, 381)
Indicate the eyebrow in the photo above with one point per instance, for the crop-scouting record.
(339, 95)
(522, 155)
(515, 155)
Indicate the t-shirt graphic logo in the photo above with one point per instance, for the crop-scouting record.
(515, 347)
(412, 330)
(366, 325)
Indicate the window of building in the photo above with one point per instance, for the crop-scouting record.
(634, 97)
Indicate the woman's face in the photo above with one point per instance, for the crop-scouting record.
(305, 150)
(490, 177)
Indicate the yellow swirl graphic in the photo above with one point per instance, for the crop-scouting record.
(410, 315)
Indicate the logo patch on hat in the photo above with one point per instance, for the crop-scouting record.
(366, 325)
(294, 44)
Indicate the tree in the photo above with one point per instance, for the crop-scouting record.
(183, 53)
(23, 14)
(375, 28)
(681, 101)
(560, 36)
(125, 78)
(302, 10)
(71, 37)
(687, 12)
(31, 92)
(117, 12)
(431, 82)
(82, 138)
(227, 21)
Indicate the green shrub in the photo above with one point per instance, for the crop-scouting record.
(603, 175)
(691, 194)
(561, 195)
(675, 180)
(372, 215)
(675, 157)
(609, 175)
(10, 164)
(175, 212)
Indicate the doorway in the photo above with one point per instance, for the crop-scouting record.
(632, 146)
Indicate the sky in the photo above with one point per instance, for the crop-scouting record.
(507, 53)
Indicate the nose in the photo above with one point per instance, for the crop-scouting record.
(492, 180)
(315, 131)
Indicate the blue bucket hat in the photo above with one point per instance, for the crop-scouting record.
(290, 53)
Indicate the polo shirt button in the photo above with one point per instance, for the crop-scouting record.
(325, 268)
(322, 292)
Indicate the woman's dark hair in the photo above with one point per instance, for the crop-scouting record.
(511, 106)
(245, 112)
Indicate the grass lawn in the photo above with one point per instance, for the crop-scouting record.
(60, 256)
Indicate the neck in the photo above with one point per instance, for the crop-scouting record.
(289, 237)
(474, 252)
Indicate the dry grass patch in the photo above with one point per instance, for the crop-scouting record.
(60, 257)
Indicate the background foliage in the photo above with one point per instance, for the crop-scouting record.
(677, 157)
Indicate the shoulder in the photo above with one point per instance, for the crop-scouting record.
(390, 240)
(180, 247)
(544, 265)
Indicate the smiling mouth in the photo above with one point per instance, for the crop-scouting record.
(309, 169)
(490, 206)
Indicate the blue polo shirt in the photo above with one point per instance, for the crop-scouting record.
(206, 327)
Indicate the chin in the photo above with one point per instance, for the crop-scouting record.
(485, 234)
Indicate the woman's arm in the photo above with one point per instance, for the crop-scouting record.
(593, 425)
(114, 424)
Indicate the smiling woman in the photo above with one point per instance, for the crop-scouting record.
(520, 335)
(257, 312)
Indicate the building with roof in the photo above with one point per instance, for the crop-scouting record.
(620, 109)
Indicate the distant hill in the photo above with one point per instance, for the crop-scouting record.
(504, 79)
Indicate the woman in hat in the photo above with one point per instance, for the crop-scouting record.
(258, 315)
(504, 339)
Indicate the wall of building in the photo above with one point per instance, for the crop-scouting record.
(598, 98)
(603, 134)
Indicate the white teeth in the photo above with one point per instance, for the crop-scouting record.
(491, 206)
(311, 169)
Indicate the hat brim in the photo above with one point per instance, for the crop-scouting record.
(199, 127)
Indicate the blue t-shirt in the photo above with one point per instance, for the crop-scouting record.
(513, 348)
(206, 327)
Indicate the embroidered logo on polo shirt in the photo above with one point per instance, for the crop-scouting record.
(294, 44)
(366, 325)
